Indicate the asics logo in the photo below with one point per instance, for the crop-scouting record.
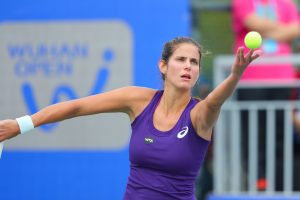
(183, 132)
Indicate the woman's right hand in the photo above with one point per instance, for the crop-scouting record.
(8, 128)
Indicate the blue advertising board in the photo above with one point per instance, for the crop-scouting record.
(51, 51)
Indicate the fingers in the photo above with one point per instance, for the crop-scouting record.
(256, 54)
(250, 56)
(240, 54)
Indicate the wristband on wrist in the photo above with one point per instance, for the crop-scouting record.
(25, 123)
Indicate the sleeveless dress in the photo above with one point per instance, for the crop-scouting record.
(164, 164)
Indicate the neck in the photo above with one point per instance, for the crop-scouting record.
(174, 101)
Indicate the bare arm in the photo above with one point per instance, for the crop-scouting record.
(284, 33)
(113, 101)
(119, 100)
(207, 111)
(272, 29)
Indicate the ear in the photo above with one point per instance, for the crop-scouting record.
(163, 66)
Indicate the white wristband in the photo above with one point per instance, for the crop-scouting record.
(25, 123)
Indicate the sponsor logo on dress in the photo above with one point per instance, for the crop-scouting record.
(149, 140)
(183, 132)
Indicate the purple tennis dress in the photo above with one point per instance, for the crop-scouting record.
(164, 164)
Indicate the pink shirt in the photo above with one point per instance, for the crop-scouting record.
(286, 12)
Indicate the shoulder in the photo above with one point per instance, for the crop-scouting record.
(131, 92)
(139, 98)
(141, 89)
(139, 93)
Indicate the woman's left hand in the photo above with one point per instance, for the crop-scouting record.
(242, 61)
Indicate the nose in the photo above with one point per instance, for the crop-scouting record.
(187, 66)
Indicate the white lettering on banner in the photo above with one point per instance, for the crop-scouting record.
(47, 62)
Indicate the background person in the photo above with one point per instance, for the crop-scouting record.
(278, 23)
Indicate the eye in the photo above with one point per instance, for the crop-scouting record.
(194, 61)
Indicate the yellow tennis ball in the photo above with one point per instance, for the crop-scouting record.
(253, 40)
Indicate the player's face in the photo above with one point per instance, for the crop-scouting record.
(182, 70)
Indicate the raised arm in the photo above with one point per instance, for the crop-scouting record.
(119, 100)
(206, 112)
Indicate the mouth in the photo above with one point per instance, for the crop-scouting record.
(186, 76)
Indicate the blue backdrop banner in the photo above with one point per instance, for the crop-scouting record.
(57, 50)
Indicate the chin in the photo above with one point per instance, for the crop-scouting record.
(185, 87)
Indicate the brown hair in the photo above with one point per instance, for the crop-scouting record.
(170, 47)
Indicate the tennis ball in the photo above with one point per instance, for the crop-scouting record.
(253, 40)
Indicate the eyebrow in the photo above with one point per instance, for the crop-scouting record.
(186, 57)
(194, 59)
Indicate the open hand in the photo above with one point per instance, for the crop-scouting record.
(242, 61)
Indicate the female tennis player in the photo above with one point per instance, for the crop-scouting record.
(170, 129)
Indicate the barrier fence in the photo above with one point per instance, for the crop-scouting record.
(231, 180)
(227, 146)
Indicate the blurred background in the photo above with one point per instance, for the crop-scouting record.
(51, 51)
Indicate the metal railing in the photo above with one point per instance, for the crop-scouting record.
(229, 176)
(227, 146)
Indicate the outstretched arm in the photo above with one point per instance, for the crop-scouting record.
(119, 100)
(113, 101)
(207, 111)
(221, 93)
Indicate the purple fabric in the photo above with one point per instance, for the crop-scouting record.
(164, 165)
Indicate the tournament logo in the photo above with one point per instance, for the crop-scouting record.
(44, 63)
